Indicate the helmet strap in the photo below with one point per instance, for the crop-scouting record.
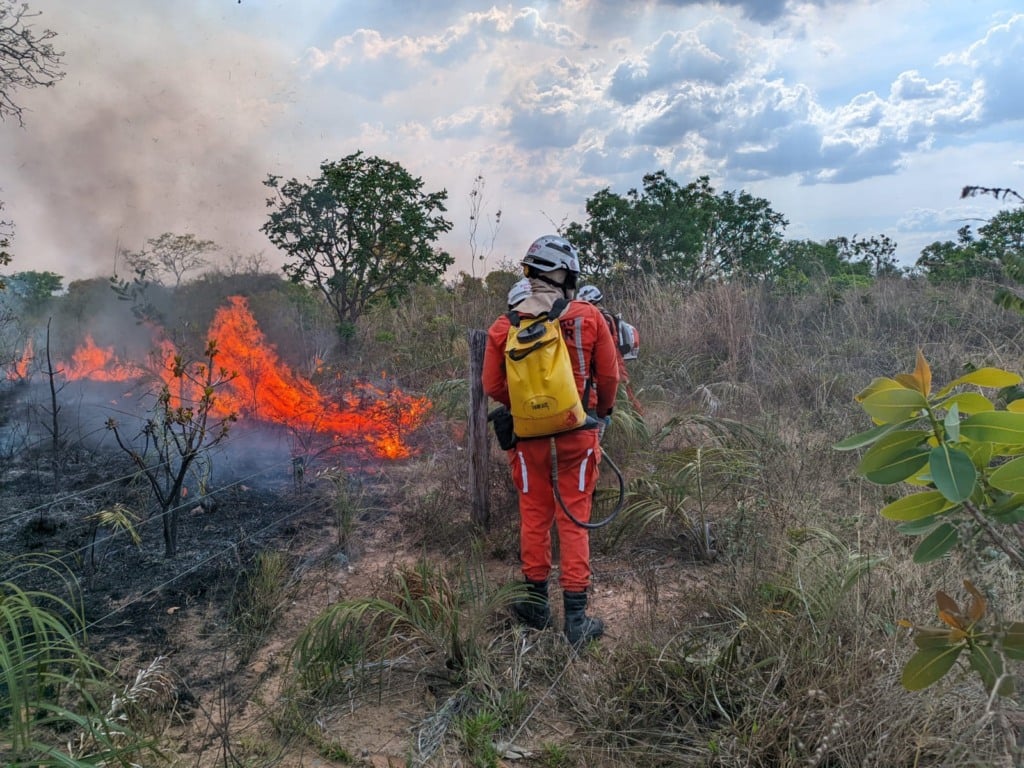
(544, 279)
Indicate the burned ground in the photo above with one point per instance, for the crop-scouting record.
(136, 603)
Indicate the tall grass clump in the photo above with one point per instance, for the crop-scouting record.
(422, 609)
(260, 598)
(59, 705)
(802, 669)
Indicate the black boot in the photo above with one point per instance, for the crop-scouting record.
(533, 609)
(580, 628)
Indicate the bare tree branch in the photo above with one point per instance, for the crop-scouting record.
(27, 58)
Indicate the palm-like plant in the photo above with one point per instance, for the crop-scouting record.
(49, 684)
(426, 608)
(711, 457)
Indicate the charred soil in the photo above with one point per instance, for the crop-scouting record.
(139, 605)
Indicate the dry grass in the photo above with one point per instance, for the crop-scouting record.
(789, 652)
(782, 649)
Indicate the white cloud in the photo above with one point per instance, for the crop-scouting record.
(374, 63)
(554, 107)
(171, 117)
(712, 53)
(996, 60)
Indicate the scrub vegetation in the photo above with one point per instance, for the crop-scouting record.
(760, 610)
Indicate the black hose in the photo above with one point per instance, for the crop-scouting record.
(558, 496)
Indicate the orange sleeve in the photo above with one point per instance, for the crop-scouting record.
(605, 366)
(493, 377)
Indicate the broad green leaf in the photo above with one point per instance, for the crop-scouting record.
(995, 378)
(916, 506)
(890, 405)
(932, 637)
(920, 480)
(936, 544)
(928, 666)
(896, 442)
(980, 453)
(1009, 514)
(1001, 449)
(917, 527)
(968, 402)
(1003, 427)
(893, 457)
(868, 437)
(1009, 477)
(877, 385)
(1016, 406)
(1013, 640)
(953, 472)
(952, 424)
(886, 468)
(989, 666)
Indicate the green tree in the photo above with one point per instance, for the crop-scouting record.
(170, 255)
(35, 289)
(27, 58)
(360, 233)
(679, 234)
(952, 262)
(744, 237)
(1001, 238)
(877, 254)
(810, 261)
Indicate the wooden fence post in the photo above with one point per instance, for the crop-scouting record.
(479, 450)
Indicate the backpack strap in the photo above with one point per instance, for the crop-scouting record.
(513, 317)
(557, 309)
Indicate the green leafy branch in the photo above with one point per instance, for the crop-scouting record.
(966, 458)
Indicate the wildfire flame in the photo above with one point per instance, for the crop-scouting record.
(266, 389)
(97, 363)
(19, 369)
(263, 388)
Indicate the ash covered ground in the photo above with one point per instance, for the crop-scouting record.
(130, 593)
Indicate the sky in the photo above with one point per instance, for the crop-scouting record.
(850, 117)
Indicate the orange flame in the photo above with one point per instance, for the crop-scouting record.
(97, 363)
(263, 388)
(19, 369)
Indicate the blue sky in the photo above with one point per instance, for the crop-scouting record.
(851, 117)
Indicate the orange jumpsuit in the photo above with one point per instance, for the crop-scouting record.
(595, 359)
(613, 328)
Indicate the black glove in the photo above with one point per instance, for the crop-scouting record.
(501, 417)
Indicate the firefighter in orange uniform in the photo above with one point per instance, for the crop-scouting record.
(627, 350)
(552, 266)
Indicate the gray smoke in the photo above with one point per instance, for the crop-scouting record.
(157, 127)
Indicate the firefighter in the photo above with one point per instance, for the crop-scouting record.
(552, 267)
(519, 291)
(626, 346)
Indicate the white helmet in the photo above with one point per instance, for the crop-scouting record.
(552, 252)
(590, 293)
(519, 291)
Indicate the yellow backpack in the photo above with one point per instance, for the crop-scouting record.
(541, 387)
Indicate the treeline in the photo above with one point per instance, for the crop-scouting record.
(364, 232)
